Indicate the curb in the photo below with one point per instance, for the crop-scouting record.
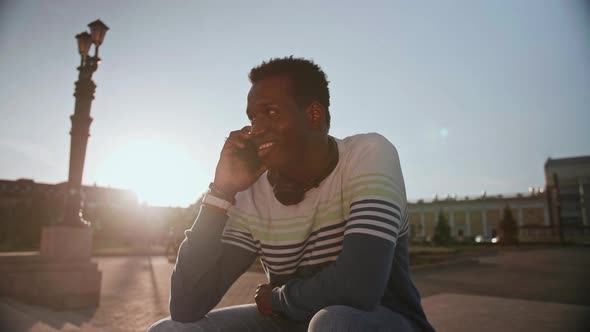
(440, 265)
(116, 254)
(12, 254)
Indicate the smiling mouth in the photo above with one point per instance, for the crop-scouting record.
(263, 149)
(265, 146)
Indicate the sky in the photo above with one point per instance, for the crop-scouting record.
(475, 95)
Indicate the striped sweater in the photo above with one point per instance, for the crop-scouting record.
(345, 243)
(363, 195)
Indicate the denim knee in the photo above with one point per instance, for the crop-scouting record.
(334, 318)
(165, 325)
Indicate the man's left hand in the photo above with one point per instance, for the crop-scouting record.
(262, 298)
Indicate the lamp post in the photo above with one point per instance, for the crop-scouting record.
(81, 121)
(66, 278)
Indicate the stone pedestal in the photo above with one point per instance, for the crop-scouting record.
(66, 244)
(61, 276)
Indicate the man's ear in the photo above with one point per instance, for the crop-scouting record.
(316, 115)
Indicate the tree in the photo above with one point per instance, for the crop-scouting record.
(508, 228)
(442, 231)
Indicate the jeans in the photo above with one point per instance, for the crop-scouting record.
(246, 318)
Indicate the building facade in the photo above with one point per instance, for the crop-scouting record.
(558, 212)
(568, 184)
(470, 217)
(117, 219)
(27, 206)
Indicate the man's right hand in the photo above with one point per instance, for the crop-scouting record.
(233, 173)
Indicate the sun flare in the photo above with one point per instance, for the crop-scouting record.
(159, 173)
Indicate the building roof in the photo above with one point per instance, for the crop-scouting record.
(534, 195)
(91, 193)
(567, 161)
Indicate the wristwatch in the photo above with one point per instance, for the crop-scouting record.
(217, 202)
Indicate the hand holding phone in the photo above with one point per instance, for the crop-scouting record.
(238, 167)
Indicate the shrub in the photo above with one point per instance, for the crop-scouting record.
(508, 228)
(442, 231)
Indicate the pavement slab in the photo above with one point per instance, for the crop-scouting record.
(459, 312)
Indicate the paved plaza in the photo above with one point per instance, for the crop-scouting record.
(532, 290)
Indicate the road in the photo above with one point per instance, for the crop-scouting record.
(560, 275)
(135, 290)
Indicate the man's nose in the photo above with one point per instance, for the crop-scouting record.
(258, 127)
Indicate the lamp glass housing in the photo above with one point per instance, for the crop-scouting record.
(84, 42)
(98, 30)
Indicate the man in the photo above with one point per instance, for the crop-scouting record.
(327, 217)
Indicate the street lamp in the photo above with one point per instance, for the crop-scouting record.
(81, 120)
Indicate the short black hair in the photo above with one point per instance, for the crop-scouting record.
(308, 80)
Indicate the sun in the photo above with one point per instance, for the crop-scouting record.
(160, 173)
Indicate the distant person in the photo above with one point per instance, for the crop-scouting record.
(327, 217)
(175, 237)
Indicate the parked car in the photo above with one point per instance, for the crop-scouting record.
(486, 239)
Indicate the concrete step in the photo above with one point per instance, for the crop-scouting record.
(19, 317)
(13, 319)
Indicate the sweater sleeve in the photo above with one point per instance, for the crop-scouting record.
(376, 218)
(206, 267)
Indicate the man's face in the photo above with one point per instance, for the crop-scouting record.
(278, 125)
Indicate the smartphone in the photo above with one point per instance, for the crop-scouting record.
(249, 154)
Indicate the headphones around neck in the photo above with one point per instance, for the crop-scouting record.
(289, 192)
